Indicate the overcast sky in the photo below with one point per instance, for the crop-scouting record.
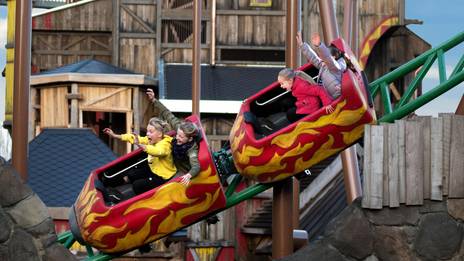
(442, 20)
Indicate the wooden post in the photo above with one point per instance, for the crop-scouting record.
(116, 21)
(436, 158)
(74, 106)
(393, 170)
(456, 176)
(136, 108)
(414, 163)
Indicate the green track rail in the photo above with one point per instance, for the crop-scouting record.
(404, 107)
(423, 62)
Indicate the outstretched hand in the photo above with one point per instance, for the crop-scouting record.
(315, 39)
(108, 131)
(329, 109)
(299, 40)
(186, 179)
(151, 95)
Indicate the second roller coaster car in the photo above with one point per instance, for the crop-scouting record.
(268, 148)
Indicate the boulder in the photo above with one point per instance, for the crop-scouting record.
(439, 236)
(351, 233)
(12, 190)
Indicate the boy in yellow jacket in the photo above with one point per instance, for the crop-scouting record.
(160, 167)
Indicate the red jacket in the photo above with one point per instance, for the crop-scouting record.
(308, 97)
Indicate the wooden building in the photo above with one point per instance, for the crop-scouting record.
(89, 94)
(149, 36)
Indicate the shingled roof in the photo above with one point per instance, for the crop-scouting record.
(60, 160)
(89, 66)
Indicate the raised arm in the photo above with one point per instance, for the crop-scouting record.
(164, 113)
(308, 52)
(329, 60)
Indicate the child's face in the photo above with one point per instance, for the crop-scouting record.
(285, 83)
(153, 134)
(181, 138)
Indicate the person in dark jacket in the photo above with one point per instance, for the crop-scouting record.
(184, 145)
(308, 96)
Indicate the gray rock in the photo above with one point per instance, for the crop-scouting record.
(45, 227)
(391, 243)
(5, 226)
(371, 258)
(318, 250)
(12, 190)
(29, 212)
(21, 246)
(57, 252)
(351, 233)
(433, 206)
(439, 236)
(456, 208)
(394, 216)
(4, 253)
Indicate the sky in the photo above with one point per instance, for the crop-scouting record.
(442, 19)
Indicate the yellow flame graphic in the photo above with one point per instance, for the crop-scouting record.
(101, 231)
(323, 152)
(248, 152)
(236, 126)
(173, 221)
(349, 117)
(162, 198)
(133, 239)
(205, 177)
(287, 139)
(92, 218)
(273, 165)
(356, 133)
(236, 141)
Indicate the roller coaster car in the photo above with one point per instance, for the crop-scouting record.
(267, 148)
(137, 220)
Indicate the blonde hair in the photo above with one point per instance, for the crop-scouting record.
(287, 73)
(158, 124)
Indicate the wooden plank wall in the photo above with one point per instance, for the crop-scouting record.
(412, 160)
(54, 107)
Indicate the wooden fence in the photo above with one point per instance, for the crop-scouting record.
(412, 160)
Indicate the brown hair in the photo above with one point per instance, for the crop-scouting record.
(190, 130)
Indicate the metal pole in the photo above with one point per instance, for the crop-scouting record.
(213, 33)
(349, 159)
(347, 24)
(283, 195)
(196, 58)
(355, 28)
(22, 70)
(329, 22)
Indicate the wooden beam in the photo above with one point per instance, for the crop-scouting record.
(138, 35)
(74, 52)
(116, 31)
(137, 2)
(106, 96)
(182, 14)
(251, 12)
(137, 19)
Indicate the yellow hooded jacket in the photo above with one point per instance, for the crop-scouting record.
(159, 154)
